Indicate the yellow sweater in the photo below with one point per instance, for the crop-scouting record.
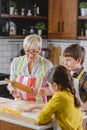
(66, 114)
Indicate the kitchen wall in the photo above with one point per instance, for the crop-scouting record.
(10, 48)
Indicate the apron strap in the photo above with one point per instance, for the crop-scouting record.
(79, 76)
(43, 65)
(43, 71)
(40, 98)
(19, 66)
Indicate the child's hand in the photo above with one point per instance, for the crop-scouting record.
(42, 91)
(45, 92)
(27, 109)
(31, 108)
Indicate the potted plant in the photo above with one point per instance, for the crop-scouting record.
(40, 26)
(12, 5)
(83, 8)
(85, 29)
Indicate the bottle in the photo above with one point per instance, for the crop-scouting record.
(31, 30)
(82, 32)
(16, 11)
(22, 11)
(23, 31)
(3, 9)
(3, 30)
(38, 11)
(35, 10)
(29, 13)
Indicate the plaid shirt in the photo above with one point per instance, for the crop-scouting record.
(82, 83)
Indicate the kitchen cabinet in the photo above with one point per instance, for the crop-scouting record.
(22, 20)
(82, 20)
(62, 19)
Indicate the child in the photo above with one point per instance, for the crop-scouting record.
(64, 105)
(74, 56)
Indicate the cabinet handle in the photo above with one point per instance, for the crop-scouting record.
(58, 26)
(62, 26)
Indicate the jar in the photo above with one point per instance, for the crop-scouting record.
(16, 11)
(24, 31)
(29, 13)
(12, 31)
(31, 30)
(22, 11)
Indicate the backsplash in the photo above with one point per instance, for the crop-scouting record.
(10, 48)
(64, 43)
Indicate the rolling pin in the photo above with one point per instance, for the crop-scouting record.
(20, 86)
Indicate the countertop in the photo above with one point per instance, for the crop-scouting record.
(20, 119)
(2, 82)
(28, 120)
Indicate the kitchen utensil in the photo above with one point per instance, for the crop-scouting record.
(45, 52)
(15, 84)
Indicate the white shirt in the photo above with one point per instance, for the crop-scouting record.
(37, 70)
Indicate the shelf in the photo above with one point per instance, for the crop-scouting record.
(5, 15)
(82, 37)
(20, 16)
(82, 17)
(21, 36)
(15, 22)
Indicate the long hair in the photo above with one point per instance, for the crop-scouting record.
(60, 75)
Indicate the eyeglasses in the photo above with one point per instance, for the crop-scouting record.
(31, 51)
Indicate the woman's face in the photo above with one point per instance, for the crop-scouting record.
(32, 54)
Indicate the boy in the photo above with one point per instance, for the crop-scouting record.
(74, 56)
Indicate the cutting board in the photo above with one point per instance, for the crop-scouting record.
(55, 53)
(14, 106)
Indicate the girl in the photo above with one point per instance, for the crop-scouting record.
(64, 105)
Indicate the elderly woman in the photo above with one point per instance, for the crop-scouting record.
(29, 69)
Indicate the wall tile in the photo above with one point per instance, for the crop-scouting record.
(10, 48)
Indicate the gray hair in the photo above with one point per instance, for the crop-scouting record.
(32, 41)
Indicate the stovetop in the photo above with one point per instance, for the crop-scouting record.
(3, 76)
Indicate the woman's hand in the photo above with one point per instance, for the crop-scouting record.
(13, 91)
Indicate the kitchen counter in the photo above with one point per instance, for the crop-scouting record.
(25, 120)
(10, 121)
(2, 82)
(13, 123)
